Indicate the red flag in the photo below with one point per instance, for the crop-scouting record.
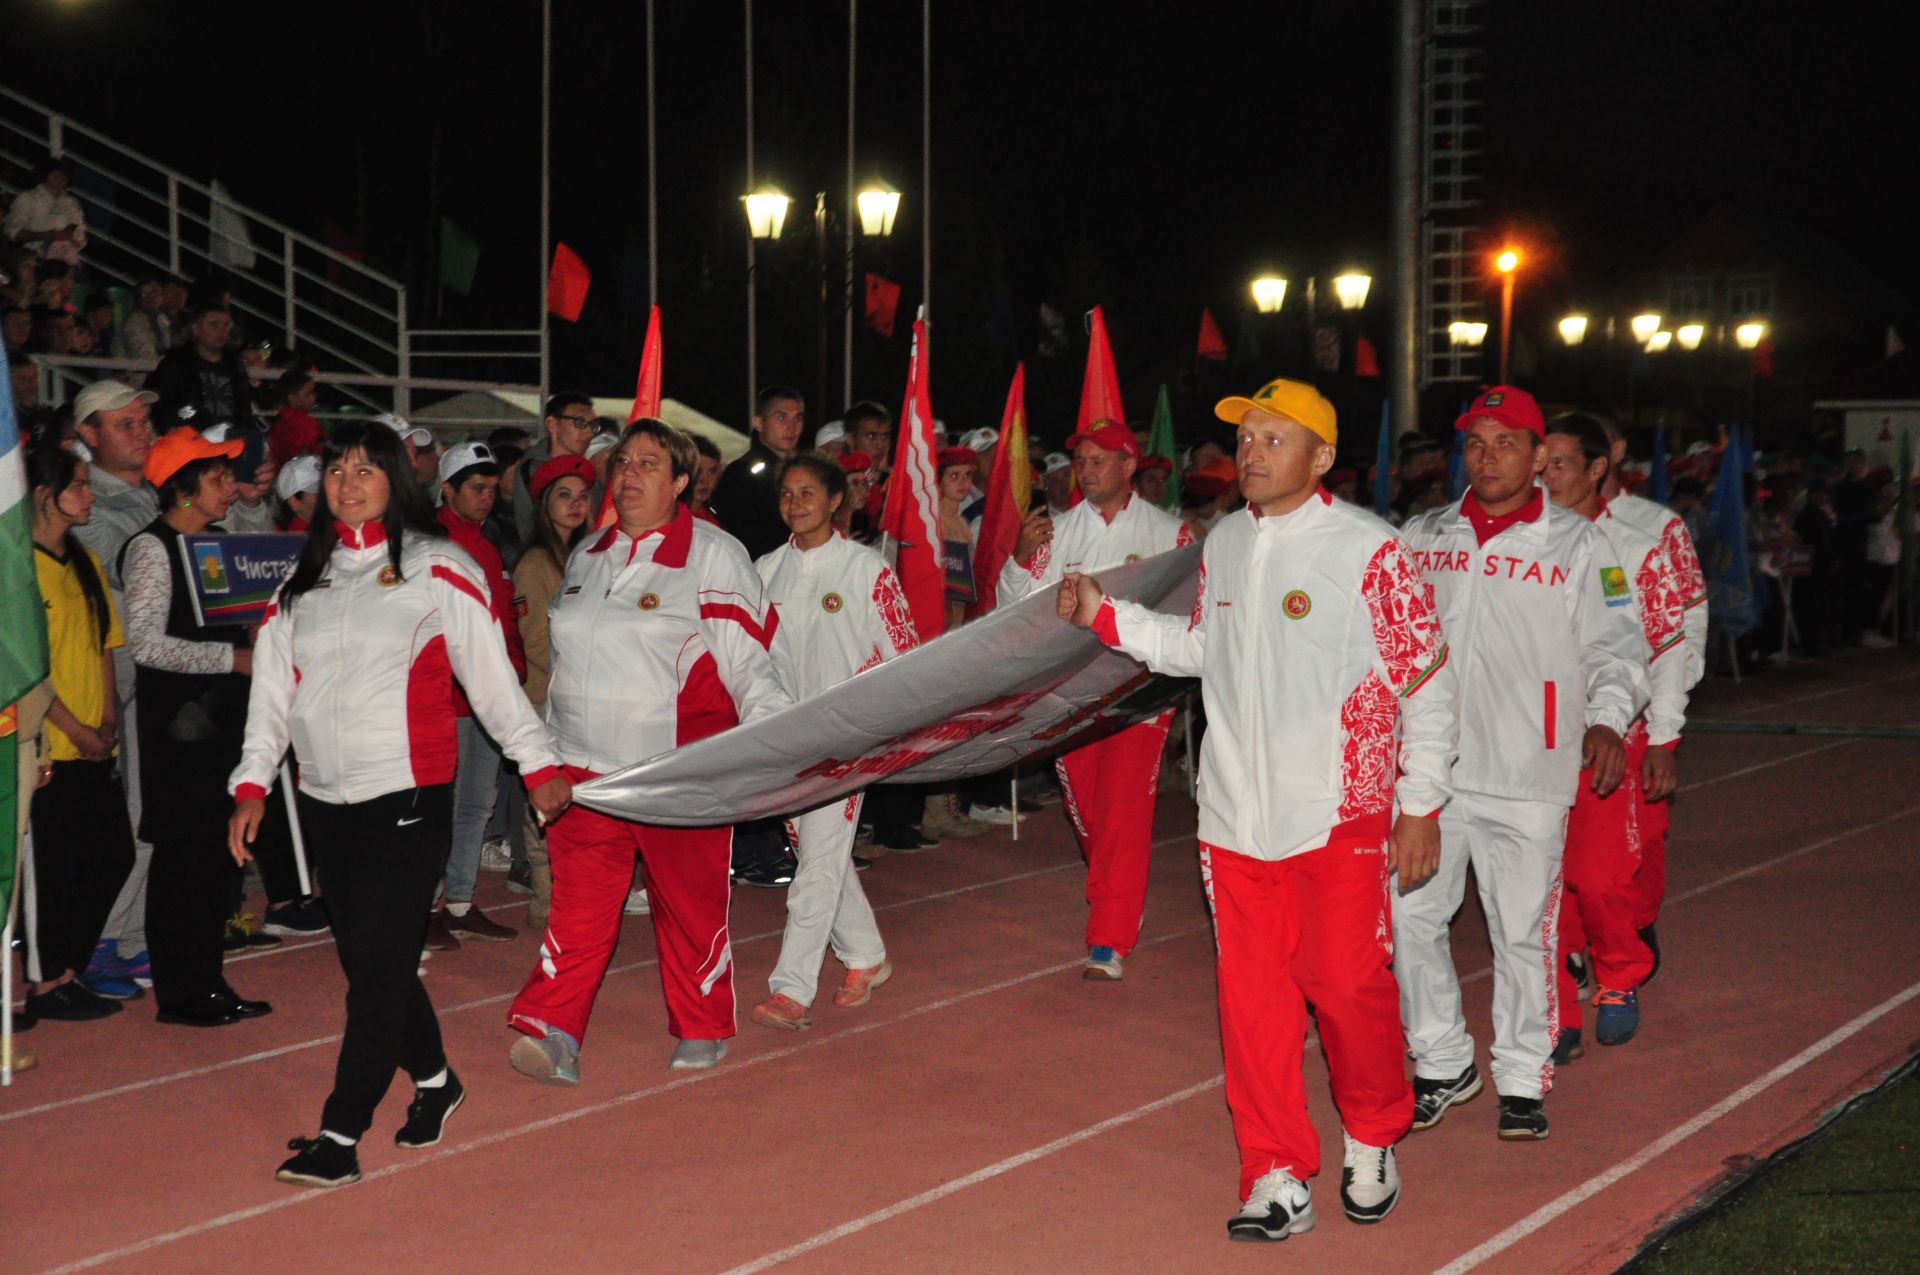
(567, 283)
(1009, 488)
(883, 302)
(1212, 346)
(1366, 359)
(1763, 357)
(912, 516)
(646, 393)
(1100, 389)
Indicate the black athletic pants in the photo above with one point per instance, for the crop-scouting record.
(187, 887)
(82, 853)
(379, 862)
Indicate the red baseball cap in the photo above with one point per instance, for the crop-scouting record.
(1109, 436)
(951, 456)
(1151, 464)
(855, 462)
(1508, 407)
(560, 467)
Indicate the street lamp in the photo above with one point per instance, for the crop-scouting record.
(1748, 336)
(1573, 329)
(1689, 335)
(1460, 332)
(1644, 326)
(1658, 342)
(877, 208)
(766, 212)
(1269, 291)
(1351, 289)
(1506, 263)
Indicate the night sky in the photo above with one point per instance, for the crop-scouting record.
(1151, 157)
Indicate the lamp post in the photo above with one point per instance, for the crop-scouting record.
(1269, 293)
(1507, 263)
(1573, 329)
(1689, 335)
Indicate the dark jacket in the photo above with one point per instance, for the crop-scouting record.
(746, 500)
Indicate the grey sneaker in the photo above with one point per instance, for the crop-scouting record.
(697, 1055)
(554, 1059)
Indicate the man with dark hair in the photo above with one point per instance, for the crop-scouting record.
(870, 432)
(203, 384)
(568, 423)
(746, 500)
(706, 476)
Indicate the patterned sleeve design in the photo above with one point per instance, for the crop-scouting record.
(1406, 623)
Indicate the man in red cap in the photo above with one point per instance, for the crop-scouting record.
(1552, 667)
(1109, 785)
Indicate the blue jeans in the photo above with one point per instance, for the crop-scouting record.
(474, 786)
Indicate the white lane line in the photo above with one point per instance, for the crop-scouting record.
(1765, 765)
(1825, 694)
(1666, 1142)
(578, 1113)
(1779, 859)
(975, 1178)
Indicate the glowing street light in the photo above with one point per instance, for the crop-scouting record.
(1748, 336)
(1351, 289)
(878, 206)
(1658, 342)
(1268, 293)
(1461, 332)
(1506, 263)
(1573, 329)
(1644, 326)
(766, 212)
(1689, 335)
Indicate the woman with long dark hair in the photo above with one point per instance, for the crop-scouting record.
(380, 615)
(82, 841)
(191, 696)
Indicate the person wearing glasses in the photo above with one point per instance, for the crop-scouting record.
(569, 424)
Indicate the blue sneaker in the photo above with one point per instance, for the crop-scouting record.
(139, 968)
(107, 975)
(1569, 1048)
(1617, 1017)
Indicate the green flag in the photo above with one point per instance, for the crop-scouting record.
(1160, 443)
(459, 257)
(23, 626)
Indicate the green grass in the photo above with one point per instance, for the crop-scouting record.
(1849, 1202)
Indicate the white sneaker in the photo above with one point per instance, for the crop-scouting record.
(1004, 816)
(496, 855)
(1370, 1182)
(637, 904)
(1278, 1206)
(697, 1055)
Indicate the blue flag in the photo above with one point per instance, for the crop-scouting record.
(1658, 482)
(1723, 551)
(1383, 464)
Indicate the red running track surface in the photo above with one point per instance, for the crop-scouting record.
(991, 1111)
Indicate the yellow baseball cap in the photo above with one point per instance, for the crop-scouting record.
(1295, 400)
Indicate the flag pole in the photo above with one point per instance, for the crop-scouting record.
(653, 178)
(753, 305)
(546, 191)
(6, 987)
(847, 298)
(293, 830)
(926, 158)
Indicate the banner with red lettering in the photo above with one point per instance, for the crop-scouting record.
(1015, 684)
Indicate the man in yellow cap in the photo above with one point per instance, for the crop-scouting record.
(1328, 754)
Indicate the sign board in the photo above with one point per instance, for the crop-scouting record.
(233, 577)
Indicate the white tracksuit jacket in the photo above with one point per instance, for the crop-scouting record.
(841, 612)
(657, 642)
(1085, 541)
(1669, 530)
(1329, 691)
(1545, 642)
(1659, 596)
(358, 675)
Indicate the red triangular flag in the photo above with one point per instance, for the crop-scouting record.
(646, 393)
(883, 302)
(567, 283)
(1763, 357)
(912, 515)
(1366, 359)
(1100, 388)
(1212, 346)
(1007, 496)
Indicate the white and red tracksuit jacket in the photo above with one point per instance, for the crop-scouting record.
(1545, 638)
(1660, 597)
(1669, 530)
(1083, 540)
(471, 537)
(1327, 682)
(657, 642)
(841, 612)
(358, 675)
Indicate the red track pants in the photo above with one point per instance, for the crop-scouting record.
(1650, 883)
(1602, 870)
(1109, 788)
(1312, 929)
(689, 886)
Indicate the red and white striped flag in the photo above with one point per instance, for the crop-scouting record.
(912, 516)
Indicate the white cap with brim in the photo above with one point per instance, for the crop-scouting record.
(831, 432)
(980, 439)
(108, 396)
(409, 433)
(464, 456)
(302, 473)
(1056, 460)
(601, 443)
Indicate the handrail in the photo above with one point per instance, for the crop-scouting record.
(430, 383)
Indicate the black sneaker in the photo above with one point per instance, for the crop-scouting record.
(320, 1161)
(427, 1113)
(768, 874)
(1522, 1119)
(1431, 1098)
(70, 1003)
(1580, 970)
(1569, 1047)
(295, 920)
(1651, 938)
(903, 840)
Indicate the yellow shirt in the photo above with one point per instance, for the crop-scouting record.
(73, 644)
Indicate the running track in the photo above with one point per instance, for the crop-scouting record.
(989, 1111)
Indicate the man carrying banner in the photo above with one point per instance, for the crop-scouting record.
(1109, 785)
(1552, 671)
(1331, 727)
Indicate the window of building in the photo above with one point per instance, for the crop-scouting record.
(1749, 296)
(1689, 297)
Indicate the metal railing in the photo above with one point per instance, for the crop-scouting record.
(145, 220)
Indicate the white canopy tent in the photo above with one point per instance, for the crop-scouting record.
(479, 410)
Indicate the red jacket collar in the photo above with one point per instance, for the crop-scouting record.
(1486, 526)
(369, 535)
(676, 539)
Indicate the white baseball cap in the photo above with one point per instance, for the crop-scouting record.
(601, 443)
(1056, 460)
(831, 432)
(464, 456)
(302, 473)
(409, 433)
(980, 439)
(108, 396)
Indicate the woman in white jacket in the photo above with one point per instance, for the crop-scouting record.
(841, 612)
(354, 667)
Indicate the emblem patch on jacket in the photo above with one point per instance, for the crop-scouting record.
(1613, 584)
(649, 601)
(1296, 605)
(831, 604)
(388, 577)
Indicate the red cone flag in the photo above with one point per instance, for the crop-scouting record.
(567, 283)
(1366, 359)
(1009, 489)
(883, 301)
(1100, 389)
(1212, 346)
(646, 393)
(912, 516)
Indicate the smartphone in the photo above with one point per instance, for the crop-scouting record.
(252, 456)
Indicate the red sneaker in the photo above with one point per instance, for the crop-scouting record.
(857, 987)
(782, 1013)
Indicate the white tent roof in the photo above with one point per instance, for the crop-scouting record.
(479, 410)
